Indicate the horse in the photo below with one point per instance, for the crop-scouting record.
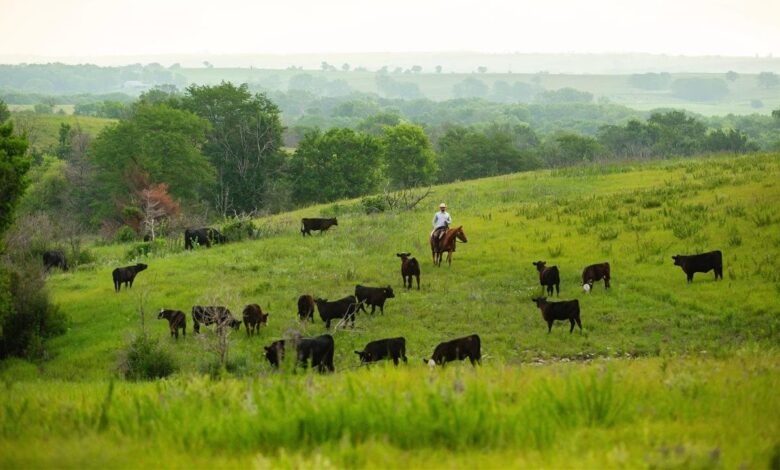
(447, 243)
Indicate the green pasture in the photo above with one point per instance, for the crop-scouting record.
(43, 129)
(663, 374)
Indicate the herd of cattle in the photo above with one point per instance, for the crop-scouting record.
(318, 351)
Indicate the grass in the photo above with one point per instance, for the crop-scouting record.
(43, 129)
(656, 378)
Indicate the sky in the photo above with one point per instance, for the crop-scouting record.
(95, 28)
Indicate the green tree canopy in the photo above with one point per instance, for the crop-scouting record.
(13, 168)
(470, 152)
(244, 143)
(158, 144)
(340, 163)
(409, 158)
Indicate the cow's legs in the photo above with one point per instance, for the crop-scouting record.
(558, 289)
(690, 277)
(579, 323)
(549, 327)
(571, 320)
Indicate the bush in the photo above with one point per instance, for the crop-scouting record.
(146, 359)
(144, 249)
(125, 234)
(237, 229)
(27, 318)
(700, 89)
(372, 204)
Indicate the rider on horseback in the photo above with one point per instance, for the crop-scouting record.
(441, 221)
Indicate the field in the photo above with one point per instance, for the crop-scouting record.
(43, 129)
(664, 374)
(616, 88)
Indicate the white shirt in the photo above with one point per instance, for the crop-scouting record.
(440, 219)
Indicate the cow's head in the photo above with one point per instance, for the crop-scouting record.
(389, 292)
(140, 267)
(264, 318)
(161, 314)
(274, 353)
(365, 356)
(539, 265)
(234, 323)
(677, 260)
(403, 256)
(539, 301)
(319, 301)
(333, 221)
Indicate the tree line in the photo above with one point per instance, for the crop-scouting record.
(220, 150)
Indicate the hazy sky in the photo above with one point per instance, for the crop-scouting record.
(85, 28)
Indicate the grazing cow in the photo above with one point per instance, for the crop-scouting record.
(409, 267)
(390, 348)
(307, 225)
(210, 315)
(54, 259)
(126, 275)
(318, 349)
(457, 350)
(203, 236)
(176, 319)
(306, 307)
(253, 318)
(343, 308)
(275, 352)
(373, 296)
(549, 277)
(566, 310)
(701, 263)
(595, 272)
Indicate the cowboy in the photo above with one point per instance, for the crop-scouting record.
(441, 221)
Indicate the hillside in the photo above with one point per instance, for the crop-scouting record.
(651, 339)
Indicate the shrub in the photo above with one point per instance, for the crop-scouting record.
(372, 204)
(27, 318)
(144, 249)
(125, 234)
(145, 359)
(239, 228)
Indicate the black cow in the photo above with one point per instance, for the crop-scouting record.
(126, 275)
(211, 315)
(549, 277)
(342, 308)
(307, 225)
(566, 310)
(373, 296)
(306, 307)
(274, 353)
(457, 350)
(254, 317)
(701, 263)
(203, 236)
(595, 272)
(54, 259)
(176, 320)
(409, 267)
(318, 350)
(390, 348)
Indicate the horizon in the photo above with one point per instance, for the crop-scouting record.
(124, 28)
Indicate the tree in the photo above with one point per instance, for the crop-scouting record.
(409, 158)
(768, 80)
(416, 69)
(438, 69)
(481, 69)
(568, 148)
(14, 165)
(700, 89)
(732, 76)
(5, 113)
(564, 95)
(470, 88)
(730, 140)
(469, 152)
(345, 67)
(244, 144)
(158, 144)
(676, 133)
(376, 124)
(340, 163)
(156, 205)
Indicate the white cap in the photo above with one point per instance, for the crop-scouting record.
(442, 205)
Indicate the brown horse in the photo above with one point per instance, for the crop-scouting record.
(447, 243)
